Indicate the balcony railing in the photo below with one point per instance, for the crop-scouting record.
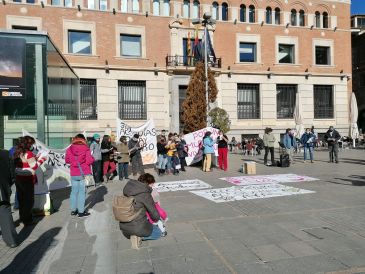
(190, 61)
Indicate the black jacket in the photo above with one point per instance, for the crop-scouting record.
(7, 177)
(335, 135)
(140, 226)
(161, 149)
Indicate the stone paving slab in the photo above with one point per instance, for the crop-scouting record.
(322, 232)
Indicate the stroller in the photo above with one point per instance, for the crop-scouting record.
(284, 156)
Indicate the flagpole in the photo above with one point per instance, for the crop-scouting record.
(206, 70)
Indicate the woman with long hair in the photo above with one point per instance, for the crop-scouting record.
(26, 164)
(79, 157)
(208, 151)
(107, 158)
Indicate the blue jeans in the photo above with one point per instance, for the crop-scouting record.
(310, 149)
(123, 170)
(169, 162)
(162, 162)
(155, 235)
(77, 198)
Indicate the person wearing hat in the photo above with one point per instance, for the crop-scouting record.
(123, 158)
(95, 149)
(135, 155)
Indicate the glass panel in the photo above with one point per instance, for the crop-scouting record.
(103, 4)
(88, 99)
(196, 7)
(124, 5)
(251, 14)
(79, 42)
(30, 1)
(286, 54)
(268, 16)
(224, 12)
(132, 100)
(323, 102)
(156, 7)
(285, 101)
(135, 6)
(166, 8)
(277, 16)
(68, 3)
(322, 55)
(91, 4)
(325, 20)
(130, 45)
(56, 2)
(242, 13)
(301, 18)
(317, 19)
(247, 52)
(293, 18)
(248, 101)
(186, 9)
(215, 11)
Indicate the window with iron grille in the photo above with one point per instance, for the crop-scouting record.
(285, 101)
(88, 100)
(132, 100)
(248, 101)
(323, 102)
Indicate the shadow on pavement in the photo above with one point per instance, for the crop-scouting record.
(95, 196)
(352, 161)
(27, 259)
(58, 196)
(355, 180)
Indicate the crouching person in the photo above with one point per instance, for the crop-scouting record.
(140, 229)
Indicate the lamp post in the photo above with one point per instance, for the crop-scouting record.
(207, 20)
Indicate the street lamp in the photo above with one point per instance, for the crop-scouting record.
(207, 20)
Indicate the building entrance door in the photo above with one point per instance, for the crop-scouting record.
(182, 96)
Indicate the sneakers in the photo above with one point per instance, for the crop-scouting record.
(105, 179)
(164, 234)
(75, 212)
(84, 214)
(136, 242)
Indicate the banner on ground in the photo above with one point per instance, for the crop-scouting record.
(193, 140)
(249, 192)
(180, 185)
(54, 173)
(147, 139)
(268, 179)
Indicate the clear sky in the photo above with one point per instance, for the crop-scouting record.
(358, 7)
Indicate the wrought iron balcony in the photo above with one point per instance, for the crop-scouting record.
(189, 61)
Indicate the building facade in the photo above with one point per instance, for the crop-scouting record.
(133, 61)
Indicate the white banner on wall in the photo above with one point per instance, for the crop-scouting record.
(194, 139)
(147, 138)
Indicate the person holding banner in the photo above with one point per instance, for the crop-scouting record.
(208, 151)
(79, 157)
(135, 155)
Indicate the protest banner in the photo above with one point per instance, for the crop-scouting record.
(147, 139)
(180, 185)
(268, 179)
(193, 140)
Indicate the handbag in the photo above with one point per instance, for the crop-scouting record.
(89, 179)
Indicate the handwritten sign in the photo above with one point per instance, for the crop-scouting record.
(268, 179)
(193, 141)
(180, 185)
(249, 192)
(147, 139)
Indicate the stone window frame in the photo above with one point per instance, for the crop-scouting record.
(248, 38)
(74, 25)
(27, 21)
(131, 30)
(323, 43)
(287, 40)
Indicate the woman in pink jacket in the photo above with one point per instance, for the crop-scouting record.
(79, 157)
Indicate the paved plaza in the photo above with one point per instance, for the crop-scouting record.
(320, 232)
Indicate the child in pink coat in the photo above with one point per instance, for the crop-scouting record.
(163, 214)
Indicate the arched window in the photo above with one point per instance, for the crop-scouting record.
(215, 11)
(268, 15)
(293, 17)
(251, 14)
(277, 16)
(301, 18)
(242, 13)
(186, 9)
(196, 9)
(317, 19)
(224, 12)
(156, 7)
(124, 5)
(135, 6)
(325, 20)
(166, 8)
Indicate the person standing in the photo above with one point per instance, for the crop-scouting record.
(7, 179)
(135, 155)
(208, 144)
(162, 155)
(308, 140)
(107, 158)
(123, 158)
(182, 150)
(95, 149)
(26, 165)
(332, 137)
(290, 143)
(222, 151)
(269, 143)
(79, 157)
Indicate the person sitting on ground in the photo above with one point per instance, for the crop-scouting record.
(140, 228)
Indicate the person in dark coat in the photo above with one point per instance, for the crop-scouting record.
(7, 179)
(135, 155)
(140, 228)
(332, 137)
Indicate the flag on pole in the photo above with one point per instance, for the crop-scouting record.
(210, 50)
(188, 49)
(197, 46)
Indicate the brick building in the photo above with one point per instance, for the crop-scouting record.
(131, 57)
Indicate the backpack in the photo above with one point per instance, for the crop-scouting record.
(123, 208)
